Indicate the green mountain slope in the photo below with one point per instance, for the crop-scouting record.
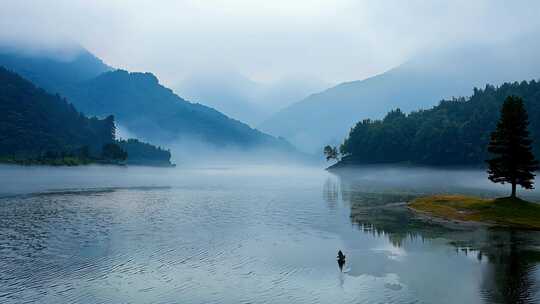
(38, 127)
(33, 122)
(153, 112)
(147, 109)
(456, 132)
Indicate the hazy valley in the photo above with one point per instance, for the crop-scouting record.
(269, 152)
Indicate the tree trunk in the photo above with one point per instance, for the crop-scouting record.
(513, 195)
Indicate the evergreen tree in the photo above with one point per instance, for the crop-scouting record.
(513, 161)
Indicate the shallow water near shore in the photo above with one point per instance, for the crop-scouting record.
(256, 234)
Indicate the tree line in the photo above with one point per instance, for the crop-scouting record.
(34, 123)
(43, 128)
(455, 132)
(508, 152)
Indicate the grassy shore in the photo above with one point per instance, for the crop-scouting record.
(508, 212)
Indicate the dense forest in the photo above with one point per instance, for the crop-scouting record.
(140, 153)
(38, 127)
(455, 132)
(34, 122)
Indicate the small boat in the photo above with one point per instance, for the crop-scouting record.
(341, 260)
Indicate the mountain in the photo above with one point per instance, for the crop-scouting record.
(227, 92)
(53, 70)
(456, 132)
(153, 112)
(326, 117)
(39, 127)
(142, 106)
(242, 98)
(34, 122)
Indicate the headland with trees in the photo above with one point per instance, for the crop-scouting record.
(508, 150)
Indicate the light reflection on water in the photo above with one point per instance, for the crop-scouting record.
(252, 235)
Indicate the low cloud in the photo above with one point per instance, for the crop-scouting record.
(265, 40)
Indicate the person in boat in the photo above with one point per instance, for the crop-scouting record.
(340, 260)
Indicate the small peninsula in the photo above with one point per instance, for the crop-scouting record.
(505, 212)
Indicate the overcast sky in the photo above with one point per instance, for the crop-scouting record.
(334, 40)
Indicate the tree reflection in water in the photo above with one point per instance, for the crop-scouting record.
(511, 257)
(510, 277)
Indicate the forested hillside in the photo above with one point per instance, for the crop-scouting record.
(34, 122)
(153, 112)
(38, 127)
(149, 110)
(456, 132)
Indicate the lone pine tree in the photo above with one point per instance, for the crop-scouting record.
(513, 161)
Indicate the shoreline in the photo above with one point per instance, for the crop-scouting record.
(463, 212)
(447, 222)
(78, 163)
(340, 165)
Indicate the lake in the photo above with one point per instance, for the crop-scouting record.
(251, 234)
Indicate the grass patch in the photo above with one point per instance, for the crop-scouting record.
(506, 211)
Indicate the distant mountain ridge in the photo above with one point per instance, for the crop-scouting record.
(242, 98)
(231, 94)
(52, 72)
(153, 111)
(326, 117)
(138, 101)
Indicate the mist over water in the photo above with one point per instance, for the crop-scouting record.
(27, 180)
(252, 233)
(218, 171)
(245, 95)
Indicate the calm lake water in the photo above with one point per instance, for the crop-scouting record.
(251, 235)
